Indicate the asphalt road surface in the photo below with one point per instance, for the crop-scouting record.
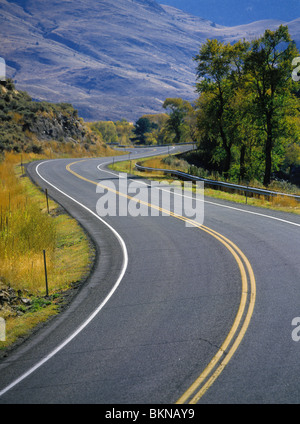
(176, 311)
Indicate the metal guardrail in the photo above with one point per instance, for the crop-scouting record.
(245, 189)
(147, 146)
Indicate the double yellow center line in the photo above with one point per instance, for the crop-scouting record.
(224, 354)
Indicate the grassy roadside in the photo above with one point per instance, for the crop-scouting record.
(279, 203)
(26, 229)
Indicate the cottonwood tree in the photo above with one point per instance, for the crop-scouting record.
(177, 124)
(247, 100)
(143, 127)
(219, 75)
(269, 63)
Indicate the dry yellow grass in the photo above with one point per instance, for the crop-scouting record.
(26, 229)
(285, 202)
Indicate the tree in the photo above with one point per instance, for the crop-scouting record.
(248, 99)
(176, 124)
(142, 127)
(107, 129)
(124, 131)
(219, 73)
(269, 62)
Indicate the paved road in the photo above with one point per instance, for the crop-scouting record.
(167, 303)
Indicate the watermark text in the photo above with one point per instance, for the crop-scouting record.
(2, 330)
(2, 69)
(296, 71)
(133, 198)
(296, 331)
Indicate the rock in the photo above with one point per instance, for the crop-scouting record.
(4, 296)
(10, 301)
(61, 127)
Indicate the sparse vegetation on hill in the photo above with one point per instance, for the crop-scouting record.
(43, 127)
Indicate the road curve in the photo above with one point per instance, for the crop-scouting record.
(162, 303)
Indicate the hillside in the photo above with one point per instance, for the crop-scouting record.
(25, 124)
(111, 59)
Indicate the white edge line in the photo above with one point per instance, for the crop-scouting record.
(92, 316)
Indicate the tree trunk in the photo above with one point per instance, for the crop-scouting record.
(242, 162)
(268, 152)
(227, 161)
(227, 148)
(268, 162)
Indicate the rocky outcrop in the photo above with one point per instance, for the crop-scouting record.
(60, 127)
(24, 121)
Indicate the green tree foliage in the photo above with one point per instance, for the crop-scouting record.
(143, 127)
(269, 65)
(247, 107)
(220, 76)
(152, 129)
(124, 131)
(158, 134)
(107, 130)
(119, 132)
(180, 113)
